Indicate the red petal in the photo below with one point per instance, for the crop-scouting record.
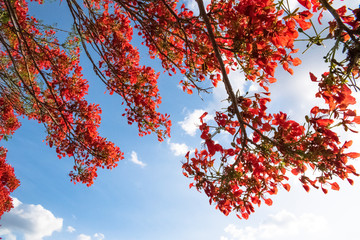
(202, 117)
(287, 187)
(296, 61)
(353, 155)
(306, 187)
(324, 122)
(295, 171)
(268, 202)
(312, 77)
(357, 120)
(272, 80)
(347, 144)
(350, 181)
(305, 3)
(245, 215)
(335, 186)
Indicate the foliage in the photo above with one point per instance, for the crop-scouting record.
(41, 79)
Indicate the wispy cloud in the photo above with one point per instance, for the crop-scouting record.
(134, 158)
(283, 225)
(70, 229)
(99, 236)
(96, 236)
(34, 222)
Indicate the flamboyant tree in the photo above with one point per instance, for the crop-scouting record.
(41, 79)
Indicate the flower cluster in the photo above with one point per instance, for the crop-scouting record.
(265, 147)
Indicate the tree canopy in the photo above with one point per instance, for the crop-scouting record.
(41, 79)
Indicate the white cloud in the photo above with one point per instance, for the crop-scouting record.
(99, 236)
(70, 229)
(192, 121)
(33, 221)
(179, 149)
(281, 226)
(83, 237)
(134, 158)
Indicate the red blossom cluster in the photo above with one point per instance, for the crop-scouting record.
(42, 79)
(265, 147)
(8, 183)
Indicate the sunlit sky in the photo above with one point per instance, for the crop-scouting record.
(146, 196)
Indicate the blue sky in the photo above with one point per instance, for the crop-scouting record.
(146, 196)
